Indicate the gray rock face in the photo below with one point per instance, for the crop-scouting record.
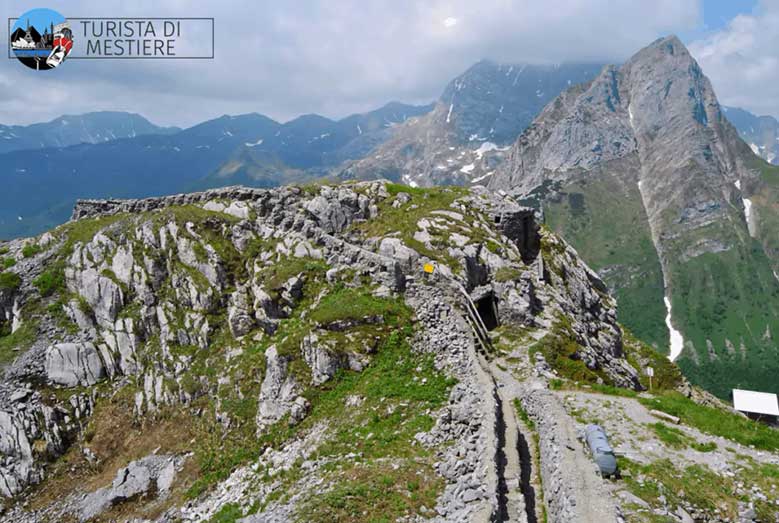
(621, 114)
(584, 298)
(394, 248)
(150, 475)
(280, 391)
(322, 360)
(72, 364)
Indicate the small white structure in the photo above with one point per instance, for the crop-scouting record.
(756, 404)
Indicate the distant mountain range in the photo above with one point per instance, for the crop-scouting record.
(760, 132)
(462, 138)
(123, 155)
(479, 113)
(69, 130)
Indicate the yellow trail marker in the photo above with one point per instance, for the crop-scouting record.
(428, 268)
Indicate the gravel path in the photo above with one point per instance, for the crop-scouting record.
(626, 420)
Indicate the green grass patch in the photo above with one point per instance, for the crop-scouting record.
(275, 276)
(708, 446)
(7, 263)
(10, 281)
(82, 231)
(505, 274)
(604, 219)
(560, 349)
(728, 299)
(50, 281)
(22, 339)
(671, 436)
(696, 484)
(715, 421)
(376, 493)
(31, 249)
(229, 513)
(346, 303)
(523, 415)
(667, 376)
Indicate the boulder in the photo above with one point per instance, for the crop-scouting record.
(144, 476)
(73, 364)
(396, 249)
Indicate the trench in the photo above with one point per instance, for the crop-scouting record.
(515, 492)
(501, 460)
(526, 477)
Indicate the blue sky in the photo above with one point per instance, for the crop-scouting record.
(340, 57)
(718, 13)
(715, 15)
(40, 18)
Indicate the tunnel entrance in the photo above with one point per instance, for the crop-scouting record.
(487, 307)
(521, 228)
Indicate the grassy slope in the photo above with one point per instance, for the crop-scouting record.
(724, 299)
(728, 300)
(603, 218)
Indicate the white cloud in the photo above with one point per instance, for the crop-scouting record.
(742, 60)
(288, 58)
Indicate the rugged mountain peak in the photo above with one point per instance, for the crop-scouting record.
(495, 102)
(648, 139)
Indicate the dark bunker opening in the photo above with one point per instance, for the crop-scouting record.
(487, 307)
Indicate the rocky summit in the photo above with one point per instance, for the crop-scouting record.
(643, 173)
(360, 352)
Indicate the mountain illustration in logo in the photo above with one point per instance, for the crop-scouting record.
(41, 39)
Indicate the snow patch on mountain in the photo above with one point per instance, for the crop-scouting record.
(677, 340)
(749, 216)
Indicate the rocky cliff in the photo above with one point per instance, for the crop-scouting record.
(643, 173)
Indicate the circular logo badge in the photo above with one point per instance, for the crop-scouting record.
(41, 39)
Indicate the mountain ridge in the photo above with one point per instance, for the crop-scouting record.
(67, 130)
(760, 132)
(220, 151)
